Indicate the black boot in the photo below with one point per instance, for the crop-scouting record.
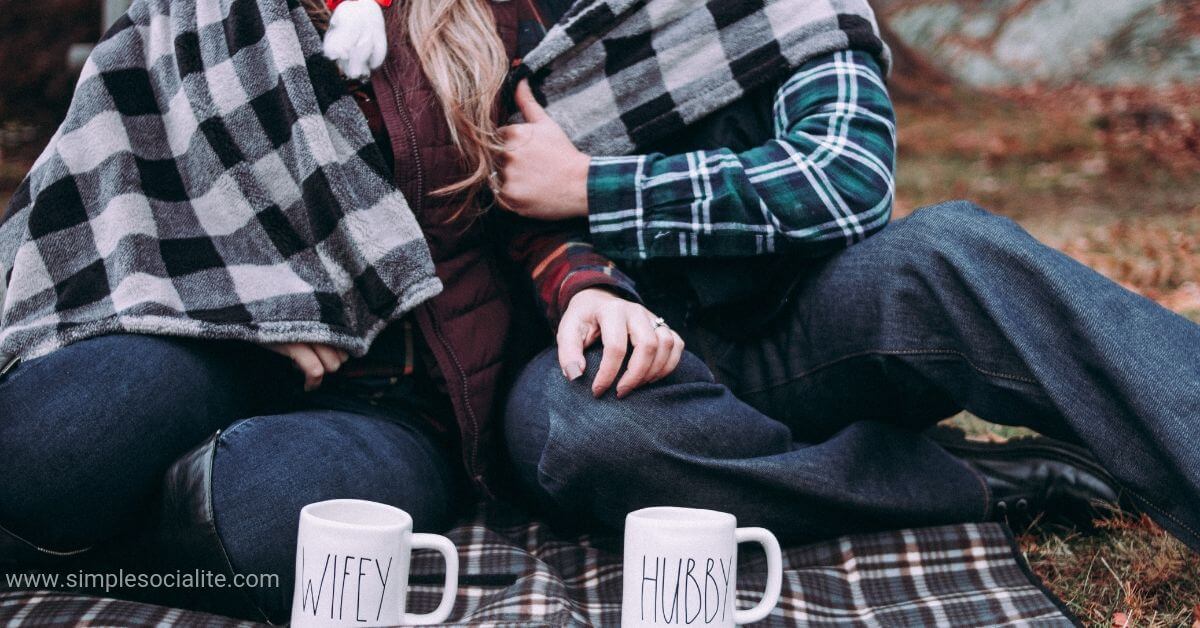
(1037, 478)
(188, 536)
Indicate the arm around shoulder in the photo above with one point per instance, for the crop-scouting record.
(825, 180)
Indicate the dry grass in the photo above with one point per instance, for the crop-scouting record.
(1130, 572)
(1113, 179)
(1126, 572)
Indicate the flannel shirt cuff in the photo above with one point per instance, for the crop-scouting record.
(614, 189)
(640, 207)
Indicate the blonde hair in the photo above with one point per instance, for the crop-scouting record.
(465, 62)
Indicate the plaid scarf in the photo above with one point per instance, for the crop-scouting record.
(212, 178)
(619, 74)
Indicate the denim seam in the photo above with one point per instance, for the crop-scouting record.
(825, 365)
(543, 474)
(217, 439)
(236, 426)
(10, 366)
(43, 550)
(1162, 511)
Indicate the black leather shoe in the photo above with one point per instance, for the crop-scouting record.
(1036, 478)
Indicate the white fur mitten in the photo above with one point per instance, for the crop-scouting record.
(356, 39)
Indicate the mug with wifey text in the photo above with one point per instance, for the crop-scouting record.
(681, 569)
(352, 559)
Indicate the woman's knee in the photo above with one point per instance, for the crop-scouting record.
(116, 403)
(88, 430)
(331, 454)
(266, 468)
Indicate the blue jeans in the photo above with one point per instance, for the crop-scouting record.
(88, 431)
(813, 426)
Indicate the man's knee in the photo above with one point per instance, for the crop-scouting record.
(561, 437)
(944, 245)
(953, 224)
(547, 412)
(947, 212)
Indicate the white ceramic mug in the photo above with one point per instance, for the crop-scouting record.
(681, 569)
(352, 559)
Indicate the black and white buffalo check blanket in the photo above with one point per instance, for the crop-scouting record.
(520, 573)
(619, 74)
(212, 178)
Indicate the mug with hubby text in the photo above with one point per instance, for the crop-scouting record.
(681, 569)
(352, 559)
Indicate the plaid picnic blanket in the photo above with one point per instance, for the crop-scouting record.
(520, 573)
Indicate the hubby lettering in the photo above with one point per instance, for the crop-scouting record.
(683, 591)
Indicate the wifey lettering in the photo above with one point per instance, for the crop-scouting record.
(338, 570)
(685, 591)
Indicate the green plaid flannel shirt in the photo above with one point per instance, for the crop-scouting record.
(825, 181)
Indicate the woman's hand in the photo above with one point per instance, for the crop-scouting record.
(597, 313)
(314, 360)
(542, 174)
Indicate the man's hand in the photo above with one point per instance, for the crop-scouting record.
(597, 313)
(314, 360)
(542, 174)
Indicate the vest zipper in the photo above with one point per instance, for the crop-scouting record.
(411, 133)
(473, 454)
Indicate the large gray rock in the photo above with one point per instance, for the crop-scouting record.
(1010, 42)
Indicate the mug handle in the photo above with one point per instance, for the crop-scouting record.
(450, 590)
(770, 597)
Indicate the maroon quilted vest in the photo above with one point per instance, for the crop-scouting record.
(467, 326)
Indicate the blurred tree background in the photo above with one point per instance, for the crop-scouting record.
(1080, 119)
(35, 38)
